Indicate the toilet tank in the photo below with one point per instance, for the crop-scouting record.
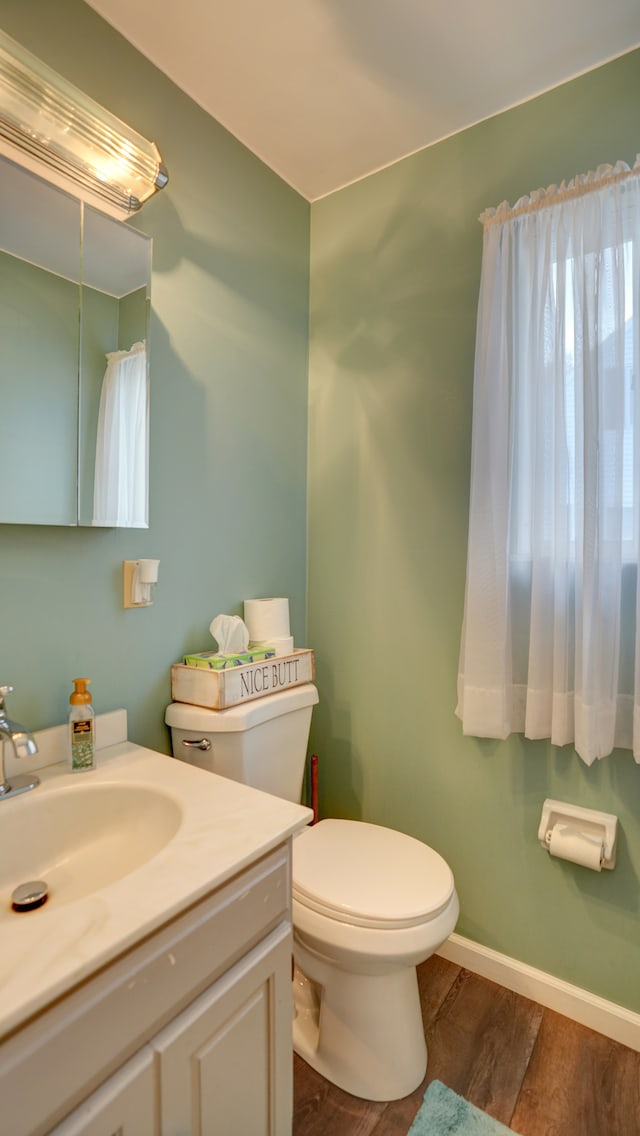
(261, 743)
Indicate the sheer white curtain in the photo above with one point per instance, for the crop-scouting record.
(550, 641)
(120, 493)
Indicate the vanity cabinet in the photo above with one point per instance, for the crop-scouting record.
(217, 1075)
(124, 1106)
(214, 1070)
(188, 1034)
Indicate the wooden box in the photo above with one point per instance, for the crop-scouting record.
(217, 690)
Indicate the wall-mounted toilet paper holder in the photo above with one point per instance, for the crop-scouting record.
(590, 822)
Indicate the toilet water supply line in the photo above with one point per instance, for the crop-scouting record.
(314, 787)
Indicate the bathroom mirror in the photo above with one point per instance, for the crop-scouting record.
(74, 383)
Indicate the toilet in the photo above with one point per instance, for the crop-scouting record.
(369, 903)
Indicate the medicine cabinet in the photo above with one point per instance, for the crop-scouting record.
(74, 288)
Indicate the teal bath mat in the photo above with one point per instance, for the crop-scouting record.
(444, 1113)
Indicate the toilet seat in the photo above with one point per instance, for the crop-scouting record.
(369, 876)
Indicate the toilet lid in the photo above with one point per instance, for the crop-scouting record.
(369, 875)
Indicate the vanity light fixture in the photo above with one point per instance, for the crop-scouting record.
(59, 133)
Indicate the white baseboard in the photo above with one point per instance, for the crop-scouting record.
(590, 1010)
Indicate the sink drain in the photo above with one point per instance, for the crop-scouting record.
(27, 897)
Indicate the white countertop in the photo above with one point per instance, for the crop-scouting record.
(225, 826)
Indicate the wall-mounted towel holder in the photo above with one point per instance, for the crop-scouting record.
(567, 825)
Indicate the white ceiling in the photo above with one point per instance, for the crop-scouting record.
(327, 91)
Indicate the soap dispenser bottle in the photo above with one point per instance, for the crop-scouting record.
(81, 726)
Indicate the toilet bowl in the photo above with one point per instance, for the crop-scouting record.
(369, 903)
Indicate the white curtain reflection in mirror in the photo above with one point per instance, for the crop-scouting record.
(120, 493)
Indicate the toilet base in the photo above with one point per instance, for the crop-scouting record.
(363, 1032)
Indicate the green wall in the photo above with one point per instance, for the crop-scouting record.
(38, 393)
(229, 340)
(395, 267)
(395, 264)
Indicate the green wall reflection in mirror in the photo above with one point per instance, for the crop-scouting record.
(74, 289)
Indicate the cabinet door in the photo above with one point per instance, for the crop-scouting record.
(226, 1062)
(123, 1106)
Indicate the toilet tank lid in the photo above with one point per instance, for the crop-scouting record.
(244, 716)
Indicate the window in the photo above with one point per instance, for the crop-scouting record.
(550, 646)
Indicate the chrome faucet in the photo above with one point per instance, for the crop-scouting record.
(23, 745)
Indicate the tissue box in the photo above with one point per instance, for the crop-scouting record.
(219, 689)
(213, 661)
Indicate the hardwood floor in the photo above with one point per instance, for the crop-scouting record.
(539, 1073)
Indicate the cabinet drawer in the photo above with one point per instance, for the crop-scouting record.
(74, 1046)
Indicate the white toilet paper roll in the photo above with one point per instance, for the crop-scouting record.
(281, 646)
(267, 619)
(571, 843)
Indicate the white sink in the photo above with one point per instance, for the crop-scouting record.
(80, 838)
(124, 849)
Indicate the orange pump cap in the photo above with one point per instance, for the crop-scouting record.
(80, 696)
